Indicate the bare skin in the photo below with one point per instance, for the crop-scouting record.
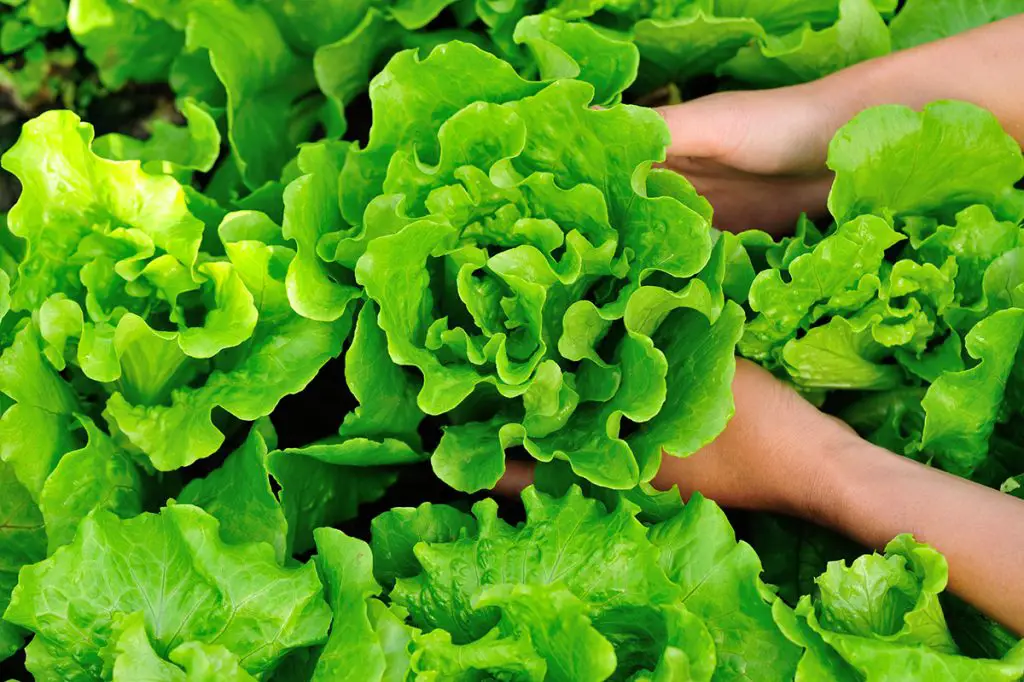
(759, 156)
(760, 159)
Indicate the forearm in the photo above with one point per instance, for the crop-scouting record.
(872, 495)
(982, 66)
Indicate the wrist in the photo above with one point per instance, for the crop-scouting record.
(818, 482)
(844, 94)
(909, 78)
(846, 498)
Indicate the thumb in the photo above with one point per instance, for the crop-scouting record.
(707, 127)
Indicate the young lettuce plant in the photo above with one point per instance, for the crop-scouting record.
(128, 326)
(541, 283)
(126, 304)
(125, 324)
(880, 614)
(913, 299)
(210, 578)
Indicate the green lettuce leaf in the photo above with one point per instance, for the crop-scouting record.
(280, 338)
(127, 41)
(721, 584)
(550, 595)
(397, 531)
(134, 658)
(170, 149)
(840, 266)
(556, 623)
(230, 55)
(315, 491)
(894, 597)
(22, 542)
(957, 430)
(949, 156)
(113, 275)
(176, 570)
(76, 194)
(386, 393)
(435, 657)
(263, 79)
(796, 552)
(368, 640)
(679, 48)
(311, 211)
(343, 67)
(975, 241)
(97, 476)
(238, 494)
(26, 21)
(570, 540)
(580, 50)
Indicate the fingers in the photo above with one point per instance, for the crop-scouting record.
(518, 476)
(701, 128)
(778, 132)
(763, 203)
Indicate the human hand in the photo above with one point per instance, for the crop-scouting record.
(776, 454)
(759, 157)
